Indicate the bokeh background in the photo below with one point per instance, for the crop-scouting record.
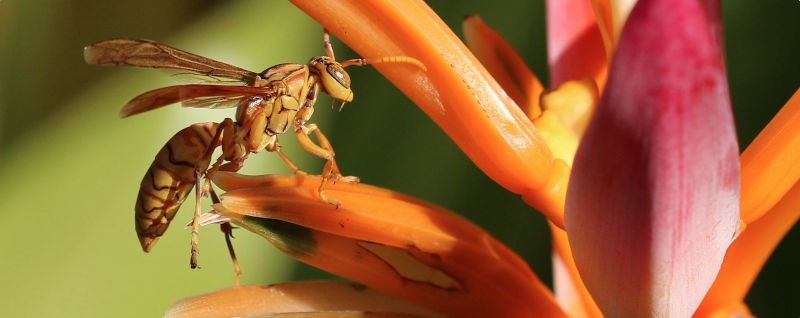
(70, 167)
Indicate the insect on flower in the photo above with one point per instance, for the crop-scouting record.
(268, 104)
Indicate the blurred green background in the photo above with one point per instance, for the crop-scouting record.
(70, 168)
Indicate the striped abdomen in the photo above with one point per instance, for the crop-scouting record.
(170, 179)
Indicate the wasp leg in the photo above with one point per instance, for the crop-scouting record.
(195, 221)
(234, 153)
(227, 230)
(326, 44)
(276, 148)
(325, 151)
(201, 171)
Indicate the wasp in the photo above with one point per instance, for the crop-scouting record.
(267, 104)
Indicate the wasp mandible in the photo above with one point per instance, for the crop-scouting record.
(268, 104)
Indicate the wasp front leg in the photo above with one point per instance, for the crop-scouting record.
(325, 151)
(286, 160)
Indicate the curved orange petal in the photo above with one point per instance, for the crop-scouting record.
(770, 206)
(297, 298)
(388, 241)
(456, 91)
(606, 24)
(568, 109)
(770, 163)
(570, 291)
(505, 65)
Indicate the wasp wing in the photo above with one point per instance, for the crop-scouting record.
(146, 53)
(218, 101)
(206, 96)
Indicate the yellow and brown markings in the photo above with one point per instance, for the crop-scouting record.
(170, 179)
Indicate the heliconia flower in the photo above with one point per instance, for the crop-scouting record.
(631, 155)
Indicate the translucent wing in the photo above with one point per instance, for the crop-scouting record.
(145, 53)
(215, 101)
(213, 96)
(182, 77)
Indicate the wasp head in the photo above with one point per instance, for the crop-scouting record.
(333, 78)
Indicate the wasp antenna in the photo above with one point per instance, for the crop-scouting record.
(356, 62)
(386, 59)
(326, 39)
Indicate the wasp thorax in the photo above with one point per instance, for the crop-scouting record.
(334, 79)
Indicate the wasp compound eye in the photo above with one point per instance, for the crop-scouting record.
(337, 72)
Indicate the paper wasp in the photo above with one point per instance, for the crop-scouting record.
(268, 104)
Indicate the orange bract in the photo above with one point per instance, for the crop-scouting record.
(505, 65)
(770, 207)
(296, 299)
(770, 163)
(388, 241)
(456, 92)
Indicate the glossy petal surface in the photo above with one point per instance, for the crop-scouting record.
(456, 92)
(296, 299)
(385, 240)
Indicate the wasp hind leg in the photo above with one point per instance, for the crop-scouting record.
(235, 157)
(212, 218)
(195, 221)
(227, 230)
(223, 137)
